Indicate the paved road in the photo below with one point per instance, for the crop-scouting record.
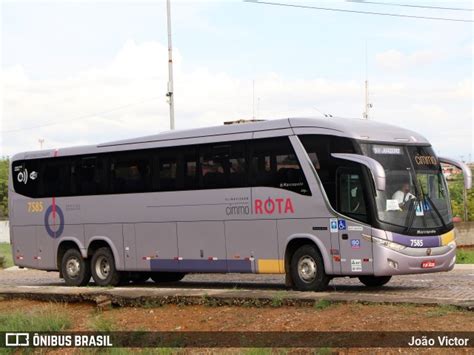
(456, 286)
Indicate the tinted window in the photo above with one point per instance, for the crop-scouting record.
(167, 169)
(90, 175)
(56, 177)
(274, 164)
(223, 166)
(26, 177)
(190, 168)
(351, 201)
(131, 173)
(319, 149)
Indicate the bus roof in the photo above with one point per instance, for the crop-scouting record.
(366, 130)
(353, 128)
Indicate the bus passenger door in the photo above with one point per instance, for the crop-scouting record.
(355, 251)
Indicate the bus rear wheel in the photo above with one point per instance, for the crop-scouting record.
(307, 269)
(374, 281)
(75, 269)
(103, 268)
(167, 276)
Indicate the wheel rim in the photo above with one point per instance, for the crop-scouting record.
(102, 267)
(307, 269)
(73, 267)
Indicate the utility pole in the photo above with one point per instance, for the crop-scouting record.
(41, 141)
(169, 94)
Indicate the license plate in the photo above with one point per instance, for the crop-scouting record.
(428, 264)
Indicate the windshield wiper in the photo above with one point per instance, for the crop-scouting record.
(411, 216)
(432, 205)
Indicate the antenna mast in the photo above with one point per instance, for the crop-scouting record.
(169, 94)
(367, 105)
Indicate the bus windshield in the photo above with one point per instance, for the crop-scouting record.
(416, 195)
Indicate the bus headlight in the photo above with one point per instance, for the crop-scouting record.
(452, 244)
(388, 244)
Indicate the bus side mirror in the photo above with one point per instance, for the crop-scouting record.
(466, 171)
(376, 169)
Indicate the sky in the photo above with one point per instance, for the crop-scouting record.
(86, 72)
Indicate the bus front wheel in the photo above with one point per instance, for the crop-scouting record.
(75, 269)
(374, 281)
(307, 269)
(103, 268)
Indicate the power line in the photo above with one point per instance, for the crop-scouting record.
(355, 11)
(79, 117)
(408, 5)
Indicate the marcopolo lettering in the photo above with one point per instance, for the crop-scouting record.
(274, 206)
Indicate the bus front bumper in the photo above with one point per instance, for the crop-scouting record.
(390, 262)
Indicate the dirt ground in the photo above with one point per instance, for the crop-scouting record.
(334, 317)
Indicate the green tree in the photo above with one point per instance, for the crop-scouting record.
(456, 186)
(4, 168)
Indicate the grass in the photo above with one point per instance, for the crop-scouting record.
(277, 300)
(52, 318)
(322, 304)
(101, 324)
(441, 310)
(464, 256)
(209, 301)
(6, 254)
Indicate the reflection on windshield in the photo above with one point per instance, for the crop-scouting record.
(416, 194)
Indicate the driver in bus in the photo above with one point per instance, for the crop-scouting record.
(403, 195)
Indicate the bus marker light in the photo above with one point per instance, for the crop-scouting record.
(336, 258)
(366, 260)
(428, 264)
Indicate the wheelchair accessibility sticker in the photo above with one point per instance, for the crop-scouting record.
(341, 224)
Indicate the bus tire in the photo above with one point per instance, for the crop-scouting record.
(75, 269)
(167, 276)
(374, 281)
(307, 269)
(103, 268)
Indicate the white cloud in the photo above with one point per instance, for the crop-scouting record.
(126, 98)
(395, 60)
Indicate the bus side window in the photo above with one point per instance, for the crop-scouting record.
(350, 199)
(55, 177)
(190, 166)
(131, 173)
(274, 164)
(167, 170)
(31, 168)
(90, 175)
(212, 168)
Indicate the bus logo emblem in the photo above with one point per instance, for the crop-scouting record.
(56, 216)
